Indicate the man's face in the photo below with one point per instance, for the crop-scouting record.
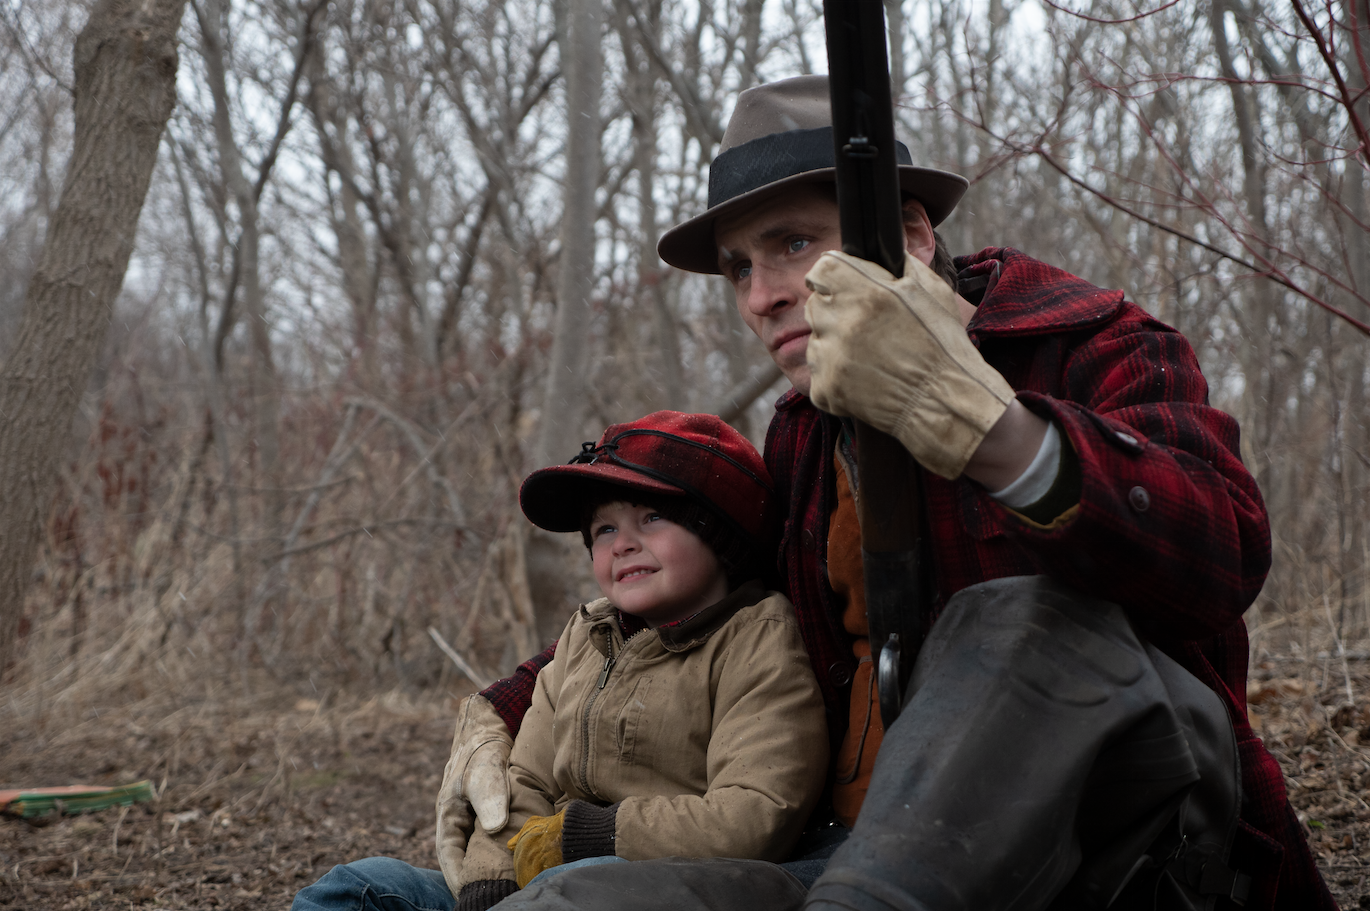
(764, 253)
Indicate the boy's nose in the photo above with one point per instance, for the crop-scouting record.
(625, 542)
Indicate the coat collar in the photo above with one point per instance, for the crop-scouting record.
(680, 636)
(1024, 296)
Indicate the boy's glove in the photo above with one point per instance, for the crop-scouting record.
(892, 352)
(537, 847)
(477, 776)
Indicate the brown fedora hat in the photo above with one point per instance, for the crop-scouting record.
(780, 134)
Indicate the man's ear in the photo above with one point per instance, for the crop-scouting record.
(918, 237)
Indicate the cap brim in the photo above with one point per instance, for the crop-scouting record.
(690, 244)
(554, 498)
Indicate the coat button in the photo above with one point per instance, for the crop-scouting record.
(1127, 438)
(1139, 499)
(839, 674)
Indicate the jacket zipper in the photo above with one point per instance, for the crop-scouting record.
(585, 720)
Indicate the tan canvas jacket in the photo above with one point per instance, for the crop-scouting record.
(710, 735)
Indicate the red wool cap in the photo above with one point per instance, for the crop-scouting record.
(691, 455)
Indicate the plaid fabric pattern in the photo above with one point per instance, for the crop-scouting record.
(1186, 556)
(512, 696)
(697, 455)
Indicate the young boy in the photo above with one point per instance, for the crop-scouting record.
(680, 716)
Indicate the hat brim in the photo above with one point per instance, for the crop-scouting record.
(690, 244)
(554, 498)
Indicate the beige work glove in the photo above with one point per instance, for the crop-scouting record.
(892, 353)
(477, 776)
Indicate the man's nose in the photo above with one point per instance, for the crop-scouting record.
(771, 291)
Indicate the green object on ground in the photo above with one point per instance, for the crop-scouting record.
(73, 799)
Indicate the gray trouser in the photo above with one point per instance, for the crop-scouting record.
(1043, 754)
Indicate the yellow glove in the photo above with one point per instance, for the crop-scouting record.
(891, 352)
(537, 847)
(475, 785)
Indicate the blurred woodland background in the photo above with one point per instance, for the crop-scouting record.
(391, 260)
(366, 297)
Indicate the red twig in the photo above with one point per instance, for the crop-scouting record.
(1271, 272)
(1345, 94)
(1139, 16)
(1360, 50)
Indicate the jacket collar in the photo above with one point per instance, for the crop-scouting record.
(680, 636)
(695, 631)
(1024, 296)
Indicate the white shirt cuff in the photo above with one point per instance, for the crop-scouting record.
(1036, 481)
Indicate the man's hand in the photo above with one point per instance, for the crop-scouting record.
(477, 776)
(537, 847)
(892, 353)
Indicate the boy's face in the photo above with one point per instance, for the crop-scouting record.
(651, 567)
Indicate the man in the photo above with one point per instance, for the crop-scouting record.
(1075, 726)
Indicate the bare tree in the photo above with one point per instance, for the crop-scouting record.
(563, 411)
(124, 90)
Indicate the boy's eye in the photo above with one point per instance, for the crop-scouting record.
(651, 517)
(597, 531)
(741, 271)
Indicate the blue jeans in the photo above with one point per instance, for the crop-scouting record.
(387, 884)
(376, 884)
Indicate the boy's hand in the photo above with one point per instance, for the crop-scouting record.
(537, 847)
(477, 776)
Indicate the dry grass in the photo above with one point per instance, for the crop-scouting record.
(256, 796)
(263, 784)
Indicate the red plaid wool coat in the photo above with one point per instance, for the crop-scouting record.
(1171, 526)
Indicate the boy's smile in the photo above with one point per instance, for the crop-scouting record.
(650, 567)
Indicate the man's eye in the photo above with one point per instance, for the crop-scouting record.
(797, 244)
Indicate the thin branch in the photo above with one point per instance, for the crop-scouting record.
(447, 323)
(19, 35)
(702, 116)
(1136, 18)
(428, 521)
(425, 454)
(737, 399)
(302, 49)
(1272, 273)
(479, 679)
(1343, 91)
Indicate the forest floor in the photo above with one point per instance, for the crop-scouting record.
(259, 796)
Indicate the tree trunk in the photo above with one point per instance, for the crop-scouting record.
(639, 92)
(894, 11)
(563, 410)
(125, 89)
(265, 386)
